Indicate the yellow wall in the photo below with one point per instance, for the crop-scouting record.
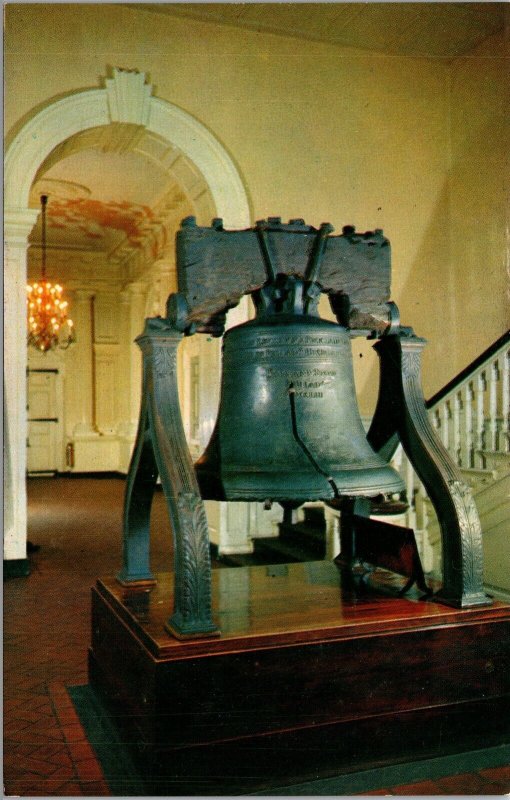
(320, 132)
(479, 190)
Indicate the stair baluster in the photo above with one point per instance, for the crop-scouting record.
(505, 402)
(467, 439)
(493, 405)
(481, 386)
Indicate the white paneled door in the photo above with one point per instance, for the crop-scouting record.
(44, 421)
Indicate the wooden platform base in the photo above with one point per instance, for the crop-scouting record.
(307, 679)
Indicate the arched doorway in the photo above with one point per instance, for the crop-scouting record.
(127, 111)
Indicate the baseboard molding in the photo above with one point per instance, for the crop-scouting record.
(107, 475)
(497, 592)
(16, 568)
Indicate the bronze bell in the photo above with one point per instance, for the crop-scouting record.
(288, 426)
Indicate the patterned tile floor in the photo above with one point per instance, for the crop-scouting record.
(77, 523)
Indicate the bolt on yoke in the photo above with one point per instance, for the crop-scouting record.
(290, 294)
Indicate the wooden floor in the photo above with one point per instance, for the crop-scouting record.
(77, 524)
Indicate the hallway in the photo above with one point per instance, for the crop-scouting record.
(77, 524)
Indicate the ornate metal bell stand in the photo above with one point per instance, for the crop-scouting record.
(288, 428)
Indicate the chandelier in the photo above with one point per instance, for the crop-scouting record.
(48, 324)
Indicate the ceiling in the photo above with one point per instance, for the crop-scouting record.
(430, 30)
(111, 190)
(97, 199)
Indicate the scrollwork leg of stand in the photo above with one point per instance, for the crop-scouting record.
(140, 485)
(401, 409)
(191, 615)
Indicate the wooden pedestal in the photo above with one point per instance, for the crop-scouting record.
(307, 680)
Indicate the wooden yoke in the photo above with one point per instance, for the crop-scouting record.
(215, 268)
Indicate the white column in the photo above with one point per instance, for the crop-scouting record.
(162, 282)
(80, 414)
(17, 226)
(124, 377)
(106, 358)
(132, 308)
(167, 282)
(137, 294)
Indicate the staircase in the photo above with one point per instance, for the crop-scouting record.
(471, 417)
(302, 537)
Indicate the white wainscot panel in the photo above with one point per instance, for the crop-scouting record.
(106, 317)
(95, 454)
(106, 386)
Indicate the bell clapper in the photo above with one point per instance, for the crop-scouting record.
(297, 437)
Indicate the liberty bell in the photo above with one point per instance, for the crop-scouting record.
(288, 427)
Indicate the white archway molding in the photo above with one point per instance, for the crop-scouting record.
(126, 99)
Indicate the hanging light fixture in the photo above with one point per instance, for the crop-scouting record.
(48, 324)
